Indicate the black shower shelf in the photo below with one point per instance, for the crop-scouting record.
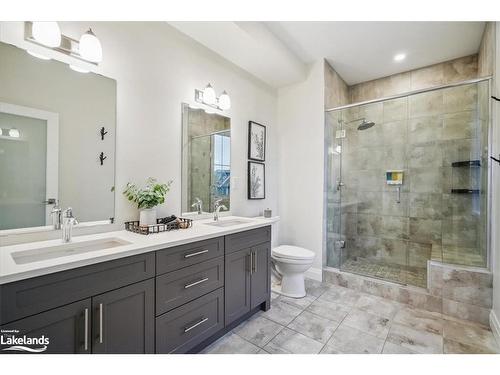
(465, 191)
(466, 163)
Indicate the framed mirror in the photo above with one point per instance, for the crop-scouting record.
(51, 146)
(206, 160)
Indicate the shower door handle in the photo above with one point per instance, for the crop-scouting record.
(339, 184)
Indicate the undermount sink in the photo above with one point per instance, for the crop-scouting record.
(67, 249)
(228, 223)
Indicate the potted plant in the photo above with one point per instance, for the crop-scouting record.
(147, 199)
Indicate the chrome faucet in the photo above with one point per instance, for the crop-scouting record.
(56, 214)
(217, 207)
(198, 204)
(68, 221)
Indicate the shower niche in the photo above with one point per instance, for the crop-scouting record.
(407, 183)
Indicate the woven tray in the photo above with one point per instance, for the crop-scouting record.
(181, 223)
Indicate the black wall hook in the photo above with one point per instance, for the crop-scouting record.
(494, 97)
(102, 158)
(495, 159)
(103, 133)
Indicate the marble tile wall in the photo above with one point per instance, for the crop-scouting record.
(457, 70)
(487, 51)
(336, 90)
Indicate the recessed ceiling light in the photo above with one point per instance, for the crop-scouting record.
(399, 57)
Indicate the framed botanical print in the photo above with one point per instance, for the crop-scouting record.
(256, 180)
(256, 141)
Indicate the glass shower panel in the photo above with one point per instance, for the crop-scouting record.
(407, 182)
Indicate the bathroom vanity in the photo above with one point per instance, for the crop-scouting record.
(174, 292)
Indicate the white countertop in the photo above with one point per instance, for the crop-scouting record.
(11, 271)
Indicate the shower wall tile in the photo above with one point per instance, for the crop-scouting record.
(460, 231)
(426, 104)
(460, 98)
(458, 150)
(425, 155)
(394, 132)
(426, 205)
(419, 254)
(460, 69)
(390, 205)
(426, 180)
(336, 90)
(457, 204)
(427, 77)
(394, 157)
(396, 109)
(425, 230)
(424, 129)
(486, 60)
(459, 125)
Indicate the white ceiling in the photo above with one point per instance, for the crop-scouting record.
(278, 52)
(362, 51)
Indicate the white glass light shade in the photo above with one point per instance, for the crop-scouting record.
(78, 69)
(38, 55)
(47, 33)
(224, 101)
(209, 96)
(90, 47)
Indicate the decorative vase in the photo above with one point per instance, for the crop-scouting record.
(147, 216)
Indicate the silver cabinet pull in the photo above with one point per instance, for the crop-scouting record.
(195, 254)
(187, 329)
(251, 262)
(100, 324)
(254, 262)
(195, 283)
(86, 344)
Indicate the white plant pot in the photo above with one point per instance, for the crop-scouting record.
(147, 216)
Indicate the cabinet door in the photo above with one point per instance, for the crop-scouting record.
(260, 276)
(67, 329)
(237, 285)
(123, 320)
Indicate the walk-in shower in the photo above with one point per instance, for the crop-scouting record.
(412, 186)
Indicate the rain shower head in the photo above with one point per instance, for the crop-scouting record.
(365, 125)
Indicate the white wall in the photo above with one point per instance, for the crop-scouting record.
(156, 69)
(301, 163)
(495, 186)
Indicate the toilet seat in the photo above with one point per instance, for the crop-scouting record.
(287, 252)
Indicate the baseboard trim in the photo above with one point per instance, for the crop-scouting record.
(314, 274)
(495, 326)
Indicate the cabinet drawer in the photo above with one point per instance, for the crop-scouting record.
(32, 296)
(249, 238)
(187, 326)
(179, 287)
(186, 255)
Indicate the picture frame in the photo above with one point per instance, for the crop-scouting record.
(256, 180)
(256, 141)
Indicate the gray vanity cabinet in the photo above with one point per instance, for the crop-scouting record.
(67, 328)
(123, 320)
(247, 272)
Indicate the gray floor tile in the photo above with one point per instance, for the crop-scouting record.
(314, 326)
(419, 341)
(300, 303)
(315, 288)
(231, 343)
(379, 306)
(258, 330)
(369, 323)
(291, 342)
(330, 310)
(390, 348)
(349, 340)
(420, 320)
(281, 313)
(455, 347)
(470, 334)
(341, 295)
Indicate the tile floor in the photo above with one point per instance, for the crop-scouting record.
(336, 320)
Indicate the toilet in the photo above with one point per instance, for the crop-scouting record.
(291, 262)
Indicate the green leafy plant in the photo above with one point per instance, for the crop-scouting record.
(151, 196)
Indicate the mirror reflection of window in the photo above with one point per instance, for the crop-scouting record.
(206, 166)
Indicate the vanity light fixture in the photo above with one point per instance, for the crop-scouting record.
(399, 57)
(208, 97)
(48, 35)
(14, 133)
